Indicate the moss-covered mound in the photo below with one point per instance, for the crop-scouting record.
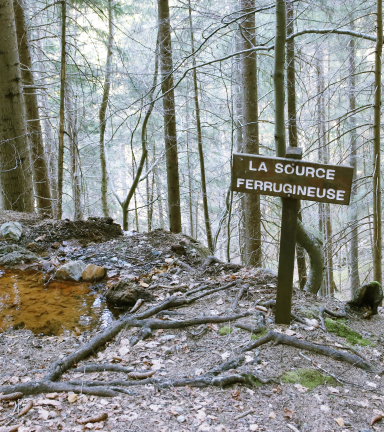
(342, 330)
(309, 378)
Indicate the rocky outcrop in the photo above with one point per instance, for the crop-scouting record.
(126, 292)
(11, 255)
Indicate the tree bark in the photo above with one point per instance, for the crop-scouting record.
(71, 114)
(200, 143)
(354, 236)
(15, 164)
(377, 253)
(103, 108)
(40, 172)
(60, 161)
(169, 116)
(252, 229)
(278, 78)
(292, 124)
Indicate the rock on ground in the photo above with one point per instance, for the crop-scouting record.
(11, 231)
(72, 270)
(93, 273)
(126, 293)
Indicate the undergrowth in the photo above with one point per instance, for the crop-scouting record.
(309, 378)
(342, 330)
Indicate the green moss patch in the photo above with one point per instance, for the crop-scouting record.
(225, 330)
(309, 378)
(342, 330)
(259, 335)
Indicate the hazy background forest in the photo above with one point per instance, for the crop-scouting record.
(134, 116)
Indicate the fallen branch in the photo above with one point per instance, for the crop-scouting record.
(253, 330)
(89, 368)
(281, 338)
(239, 295)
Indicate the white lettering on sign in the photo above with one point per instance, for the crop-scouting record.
(287, 188)
(280, 168)
(262, 167)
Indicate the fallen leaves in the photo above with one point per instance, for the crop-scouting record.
(95, 419)
(11, 397)
(340, 421)
(288, 413)
(301, 388)
(72, 397)
(235, 394)
(25, 410)
(272, 415)
(379, 416)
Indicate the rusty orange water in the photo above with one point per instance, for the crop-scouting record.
(25, 302)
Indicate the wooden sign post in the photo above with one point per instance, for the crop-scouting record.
(292, 179)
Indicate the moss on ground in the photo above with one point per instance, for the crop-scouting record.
(309, 378)
(259, 335)
(342, 330)
(225, 330)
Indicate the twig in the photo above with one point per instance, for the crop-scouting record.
(244, 414)
(239, 296)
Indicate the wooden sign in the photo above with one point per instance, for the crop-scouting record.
(293, 180)
(289, 178)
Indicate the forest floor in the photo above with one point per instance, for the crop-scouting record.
(292, 389)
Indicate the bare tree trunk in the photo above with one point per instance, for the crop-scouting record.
(103, 108)
(50, 142)
(250, 133)
(40, 172)
(354, 236)
(190, 197)
(200, 144)
(15, 165)
(169, 116)
(377, 253)
(60, 162)
(278, 78)
(292, 124)
(71, 115)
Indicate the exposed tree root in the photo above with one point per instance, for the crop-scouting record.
(324, 310)
(48, 383)
(103, 368)
(281, 338)
(239, 295)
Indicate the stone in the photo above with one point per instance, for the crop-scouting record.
(93, 273)
(55, 245)
(126, 292)
(11, 255)
(72, 270)
(11, 231)
(369, 295)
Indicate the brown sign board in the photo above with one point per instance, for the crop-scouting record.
(291, 178)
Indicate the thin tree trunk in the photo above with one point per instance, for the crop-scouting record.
(169, 116)
(71, 115)
(40, 172)
(377, 253)
(50, 142)
(103, 108)
(354, 236)
(60, 162)
(292, 125)
(278, 78)
(252, 214)
(200, 143)
(15, 165)
(190, 197)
